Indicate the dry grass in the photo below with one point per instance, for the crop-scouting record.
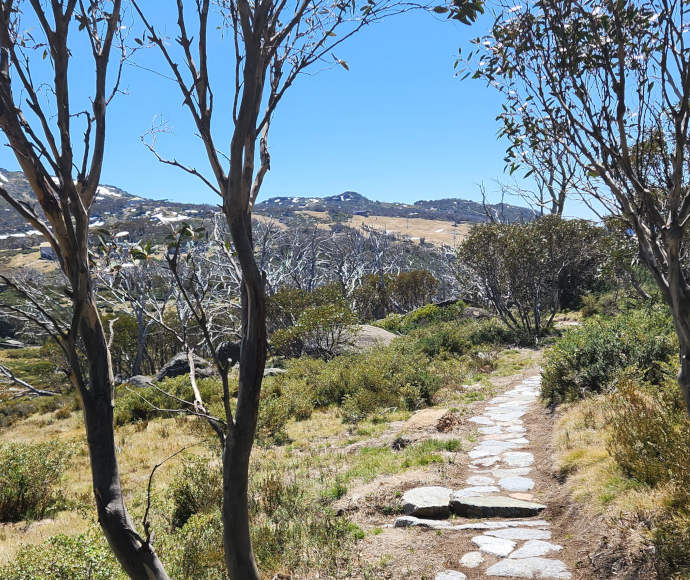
(594, 478)
(435, 231)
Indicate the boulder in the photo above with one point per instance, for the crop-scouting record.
(179, 365)
(494, 506)
(140, 381)
(273, 371)
(427, 502)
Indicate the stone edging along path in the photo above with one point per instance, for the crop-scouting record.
(497, 508)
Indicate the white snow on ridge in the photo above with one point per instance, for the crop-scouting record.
(3, 178)
(103, 190)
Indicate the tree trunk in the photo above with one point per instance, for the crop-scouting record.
(135, 554)
(239, 556)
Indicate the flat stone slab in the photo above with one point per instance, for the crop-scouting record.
(500, 524)
(516, 483)
(535, 548)
(494, 546)
(474, 491)
(427, 502)
(520, 534)
(494, 430)
(412, 522)
(480, 480)
(481, 420)
(514, 472)
(529, 568)
(486, 461)
(488, 448)
(471, 559)
(518, 458)
(450, 575)
(494, 506)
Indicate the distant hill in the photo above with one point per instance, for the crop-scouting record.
(127, 214)
(353, 203)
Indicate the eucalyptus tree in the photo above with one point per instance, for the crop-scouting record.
(614, 76)
(271, 43)
(58, 136)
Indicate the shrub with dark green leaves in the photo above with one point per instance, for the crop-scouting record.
(423, 316)
(585, 360)
(29, 477)
(65, 558)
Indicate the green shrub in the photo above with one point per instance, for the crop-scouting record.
(671, 538)
(29, 476)
(197, 488)
(586, 359)
(196, 550)
(65, 558)
(426, 315)
(139, 404)
(292, 530)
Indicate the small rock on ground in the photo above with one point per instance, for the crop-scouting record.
(450, 575)
(472, 559)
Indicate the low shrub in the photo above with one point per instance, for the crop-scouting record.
(650, 432)
(585, 360)
(197, 488)
(29, 476)
(424, 316)
(141, 404)
(65, 558)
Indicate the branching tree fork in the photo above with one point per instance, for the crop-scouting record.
(61, 155)
(273, 42)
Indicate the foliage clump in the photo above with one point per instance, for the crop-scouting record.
(65, 558)
(29, 478)
(586, 359)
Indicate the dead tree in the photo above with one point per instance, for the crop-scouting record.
(61, 155)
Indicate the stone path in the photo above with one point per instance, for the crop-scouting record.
(498, 486)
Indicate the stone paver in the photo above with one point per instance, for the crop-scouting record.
(471, 559)
(498, 486)
(450, 575)
(529, 568)
(427, 502)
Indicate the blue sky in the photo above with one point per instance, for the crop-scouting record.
(398, 126)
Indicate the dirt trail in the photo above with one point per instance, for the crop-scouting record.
(495, 512)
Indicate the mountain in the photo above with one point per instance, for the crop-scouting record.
(353, 203)
(113, 208)
(125, 214)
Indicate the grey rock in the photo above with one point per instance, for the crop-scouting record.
(495, 546)
(474, 491)
(413, 522)
(481, 420)
(513, 472)
(179, 365)
(487, 461)
(521, 534)
(516, 483)
(530, 568)
(472, 559)
(427, 502)
(450, 575)
(273, 371)
(140, 381)
(491, 506)
(480, 480)
(535, 548)
(518, 458)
